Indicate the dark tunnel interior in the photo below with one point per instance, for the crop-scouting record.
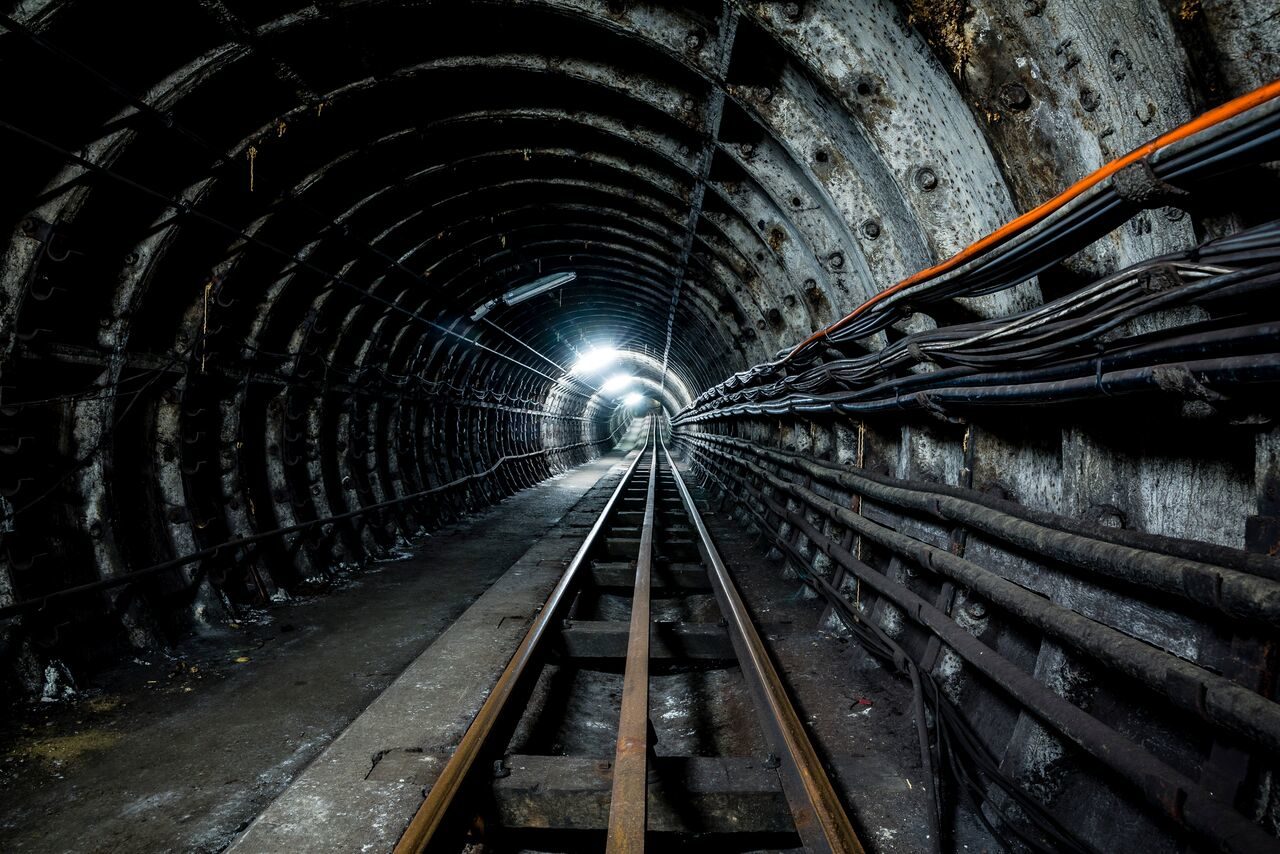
(965, 310)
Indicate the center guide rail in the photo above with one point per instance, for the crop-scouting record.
(738, 787)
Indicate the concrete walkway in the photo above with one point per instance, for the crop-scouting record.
(361, 792)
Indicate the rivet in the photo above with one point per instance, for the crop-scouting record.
(791, 11)
(836, 260)
(1014, 96)
(693, 41)
(926, 179)
(871, 229)
(976, 610)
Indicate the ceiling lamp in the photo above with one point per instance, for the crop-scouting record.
(617, 383)
(525, 292)
(595, 360)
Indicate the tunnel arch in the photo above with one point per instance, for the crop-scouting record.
(236, 354)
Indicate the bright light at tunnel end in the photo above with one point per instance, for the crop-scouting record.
(594, 361)
(634, 399)
(617, 383)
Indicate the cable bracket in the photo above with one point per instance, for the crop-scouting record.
(1138, 184)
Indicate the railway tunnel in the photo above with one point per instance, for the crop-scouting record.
(567, 425)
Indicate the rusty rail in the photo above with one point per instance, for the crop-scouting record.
(629, 799)
(436, 806)
(820, 818)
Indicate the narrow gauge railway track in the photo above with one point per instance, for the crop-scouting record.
(641, 708)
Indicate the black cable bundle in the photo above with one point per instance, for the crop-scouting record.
(1065, 348)
(955, 752)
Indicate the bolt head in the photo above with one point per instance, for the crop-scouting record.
(1014, 96)
(926, 179)
(871, 229)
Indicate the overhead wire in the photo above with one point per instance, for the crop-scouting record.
(1081, 325)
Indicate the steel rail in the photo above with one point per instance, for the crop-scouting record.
(628, 802)
(431, 814)
(820, 818)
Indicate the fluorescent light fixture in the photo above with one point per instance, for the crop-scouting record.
(633, 399)
(515, 296)
(617, 383)
(595, 360)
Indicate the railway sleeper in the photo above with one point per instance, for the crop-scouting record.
(596, 639)
(609, 576)
(689, 794)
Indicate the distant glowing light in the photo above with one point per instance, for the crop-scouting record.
(617, 383)
(595, 360)
(633, 399)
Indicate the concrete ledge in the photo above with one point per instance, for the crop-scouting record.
(361, 792)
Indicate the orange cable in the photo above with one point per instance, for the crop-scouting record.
(1204, 121)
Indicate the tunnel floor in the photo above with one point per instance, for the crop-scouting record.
(206, 740)
(177, 753)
